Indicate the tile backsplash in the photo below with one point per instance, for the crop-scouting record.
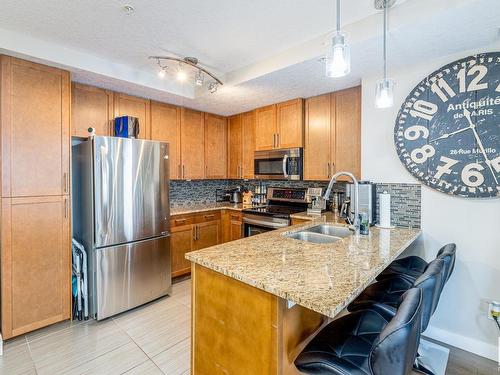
(405, 198)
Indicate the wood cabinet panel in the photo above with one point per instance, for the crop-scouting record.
(126, 105)
(35, 263)
(207, 234)
(290, 124)
(181, 242)
(235, 146)
(265, 128)
(192, 144)
(248, 144)
(91, 107)
(35, 122)
(166, 127)
(215, 146)
(317, 148)
(347, 147)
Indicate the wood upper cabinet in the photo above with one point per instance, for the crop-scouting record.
(192, 144)
(248, 142)
(35, 129)
(346, 105)
(280, 125)
(265, 128)
(126, 105)
(215, 146)
(317, 148)
(35, 263)
(235, 146)
(333, 134)
(290, 121)
(166, 127)
(91, 107)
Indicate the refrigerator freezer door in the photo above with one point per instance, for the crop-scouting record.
(131, 190)
(130, 275)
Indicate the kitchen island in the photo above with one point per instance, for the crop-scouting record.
(257, 301)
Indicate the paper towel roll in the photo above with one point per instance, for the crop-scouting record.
(385, 209)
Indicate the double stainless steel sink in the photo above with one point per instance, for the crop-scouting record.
(323, 233)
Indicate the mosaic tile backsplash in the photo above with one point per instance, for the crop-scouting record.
(405, 198)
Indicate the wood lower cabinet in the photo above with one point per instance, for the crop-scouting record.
(192, 232)
(192, 144)
(126, 105)
(232, 225)
(35, 263)
(181, 242)
(215, 146)
(35, 129)
(166, 127)
(91, 107)
(333, 134)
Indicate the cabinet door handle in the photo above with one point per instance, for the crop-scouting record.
(194, 232)
(180, 171)
(197, 232)
(277, 140)
(183, 171)
(328, 169)
(65, 182)
(274, 140)
(65, 208)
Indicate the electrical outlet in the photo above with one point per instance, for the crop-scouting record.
(493, 309)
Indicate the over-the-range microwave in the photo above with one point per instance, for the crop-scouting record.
(283, 164)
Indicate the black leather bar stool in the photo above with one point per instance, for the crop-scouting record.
(367, 342)
(386, 294)
(413, 266)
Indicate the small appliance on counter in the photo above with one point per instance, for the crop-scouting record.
(367, 200)
(317, 205)
(126, 127)
(230, 195)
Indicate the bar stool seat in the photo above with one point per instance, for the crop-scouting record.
(412, 267)
(367, 342)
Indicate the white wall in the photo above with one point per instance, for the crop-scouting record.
(474, 225)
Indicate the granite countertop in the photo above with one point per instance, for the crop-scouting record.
(201, 207)
(329, 215)
(322, 277)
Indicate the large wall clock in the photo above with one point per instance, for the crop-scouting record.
(447, 131)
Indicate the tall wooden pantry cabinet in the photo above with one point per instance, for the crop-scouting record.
(35, 180)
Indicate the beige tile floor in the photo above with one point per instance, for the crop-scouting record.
(150, 340)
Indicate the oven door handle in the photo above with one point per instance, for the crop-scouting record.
(285, 162)
(264, 223)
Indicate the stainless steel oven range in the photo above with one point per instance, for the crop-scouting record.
(282, 202)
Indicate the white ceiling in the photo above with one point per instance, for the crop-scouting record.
(265, 51)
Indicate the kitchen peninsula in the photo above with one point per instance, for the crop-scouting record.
(256, 301)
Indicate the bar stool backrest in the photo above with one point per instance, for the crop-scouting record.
(394, 351)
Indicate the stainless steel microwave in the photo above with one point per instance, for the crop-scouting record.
(283, 164)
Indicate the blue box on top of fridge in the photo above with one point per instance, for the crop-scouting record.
(126, 127)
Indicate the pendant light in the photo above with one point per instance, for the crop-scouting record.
(338, 58)
(384, 90)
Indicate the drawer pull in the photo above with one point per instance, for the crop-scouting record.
(208, 216)
(179, 220)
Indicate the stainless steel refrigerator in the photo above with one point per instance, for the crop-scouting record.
(121, 215)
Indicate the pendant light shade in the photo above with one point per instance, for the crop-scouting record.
(338, 56)
(384, 93)
(384, 89)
